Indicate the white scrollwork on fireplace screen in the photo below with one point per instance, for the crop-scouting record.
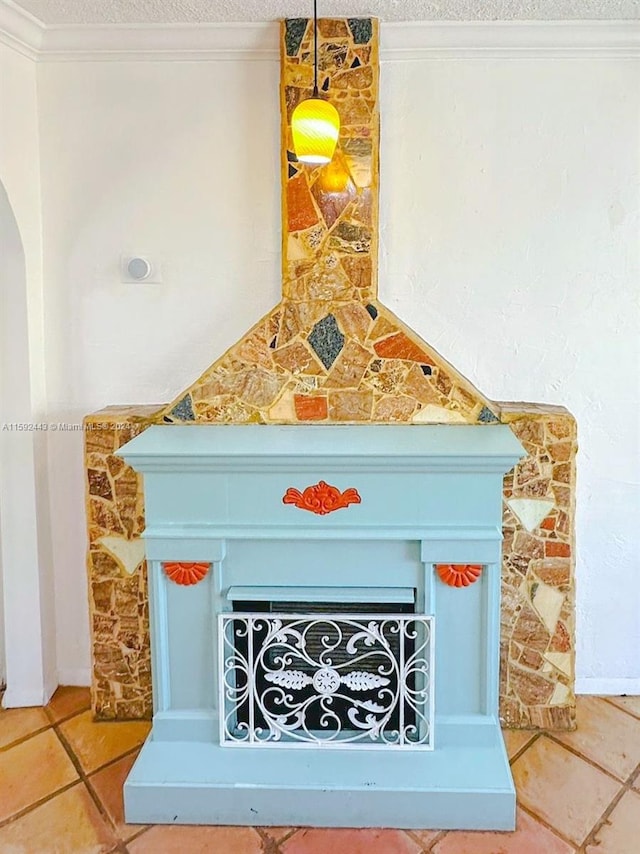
(332, 679)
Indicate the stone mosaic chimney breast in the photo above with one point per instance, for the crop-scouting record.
(331, 353)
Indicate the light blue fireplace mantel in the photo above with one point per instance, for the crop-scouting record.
(429, 495)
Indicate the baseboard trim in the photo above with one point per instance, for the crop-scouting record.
(607, 687)
(78, 677)
(23, 697)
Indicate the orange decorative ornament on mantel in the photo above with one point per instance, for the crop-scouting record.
(322, 498)
(186, 573)
(459, 574)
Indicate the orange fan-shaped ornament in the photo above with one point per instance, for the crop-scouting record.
(459, 574)
(186, 573)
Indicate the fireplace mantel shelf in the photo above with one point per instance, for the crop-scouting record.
(348, 441)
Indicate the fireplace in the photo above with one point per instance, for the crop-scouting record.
(325, 626)
(328, 488)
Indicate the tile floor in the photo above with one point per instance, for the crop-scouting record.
(61, 781)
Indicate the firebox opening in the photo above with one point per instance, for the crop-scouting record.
(338, 664)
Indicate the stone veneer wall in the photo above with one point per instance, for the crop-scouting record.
(330, 352)
(537, 649)
(537, 625)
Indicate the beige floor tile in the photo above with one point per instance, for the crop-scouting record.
(69, 823)
(606, 735)
(629, 704)
(108, 784)
(530, 837)
(68, 701)
(197, 840)
(515, 739)
(95, 744)
(620, 833)
(19, 723)
(562, 789)
(32, 770)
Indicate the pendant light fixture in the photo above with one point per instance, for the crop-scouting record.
(315, 124)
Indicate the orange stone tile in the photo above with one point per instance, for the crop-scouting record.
(190, 839)
(68, 701)
(32, 770)
(382, 327)
(516, 739)
(422, 388)
(619, 834)
(561, 641)
(354, 320)
(393, 409)
(555, 571)
(349, 367)
(69, 823)
(369, 841)
(359, 271)
(425, 837)
(400, 346)
(95, 744)
(300, 208)
(552, 548)
(629, 704)
(297, 359)
(310, 408)
(107, 785)
(530, 837)
(606, 735)
(350, 405)
(19, 723)
(277, 833)
(330, 28)
(563, 790)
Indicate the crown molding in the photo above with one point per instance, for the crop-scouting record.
(460, 40)
(158, 42)
(19, 30)
(410, 41)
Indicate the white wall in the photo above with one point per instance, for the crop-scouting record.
(24, 544)
(513, 245)
(509, 241)
(176, 160)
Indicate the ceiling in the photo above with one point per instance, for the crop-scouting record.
(63, 12)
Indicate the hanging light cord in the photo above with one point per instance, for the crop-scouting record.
(315, 48)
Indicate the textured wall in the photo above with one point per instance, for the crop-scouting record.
(510, 244)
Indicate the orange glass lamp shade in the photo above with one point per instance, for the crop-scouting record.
(315, 125)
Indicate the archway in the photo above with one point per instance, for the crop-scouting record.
(26, 661)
